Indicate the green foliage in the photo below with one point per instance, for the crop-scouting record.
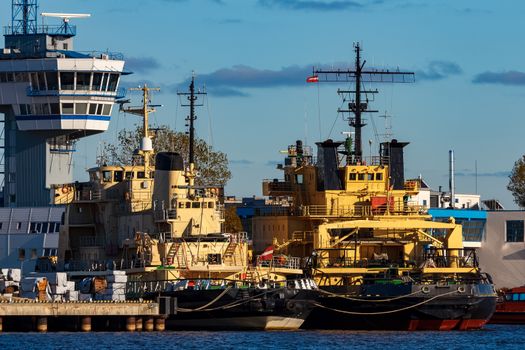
(211, 165)
(517, 182)
(232, 222)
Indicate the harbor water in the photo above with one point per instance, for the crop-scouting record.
(491, 337)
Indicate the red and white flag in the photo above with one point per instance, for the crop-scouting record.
(312, 79)
(267, 254)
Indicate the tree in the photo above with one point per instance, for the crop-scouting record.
(517, 182)
(232, 222)
(212, 166)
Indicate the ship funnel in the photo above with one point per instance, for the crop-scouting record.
(328, 166)
(392, 154)
(169, 177)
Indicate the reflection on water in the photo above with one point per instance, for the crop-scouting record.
(492, 337)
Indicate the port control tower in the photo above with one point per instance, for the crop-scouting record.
(51, 96)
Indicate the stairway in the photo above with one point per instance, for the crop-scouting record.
(176, 253)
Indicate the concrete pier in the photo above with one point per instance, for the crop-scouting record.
(84, 316)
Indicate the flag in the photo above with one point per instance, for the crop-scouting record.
(312, 79)
(267, 254)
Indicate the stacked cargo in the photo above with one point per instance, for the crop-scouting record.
(116, 287)
(58, 287)
(110, 287)
(9, 281)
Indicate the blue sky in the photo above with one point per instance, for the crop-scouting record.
(253, 57)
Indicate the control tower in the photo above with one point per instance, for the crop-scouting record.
(50, 96)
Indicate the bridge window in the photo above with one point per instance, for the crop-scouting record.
(370, 177)
(514, 231)
(106, 176)
(68, 108)
(360, 177)
(379, 176)
(118, 176)
(52, 80)
(81, 108)
(99, 109)
(83, 81)
(22, 77)
(92, 108)
(55, 108)
(113, 81)
(107, 109)
(129, 175)
(105, 82)
(141, 175)
(67, 81)
(353, 176)
(97, 81)
(195, 205)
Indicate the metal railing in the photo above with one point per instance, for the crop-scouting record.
(280, 261)
(118, 94)
(43, 29)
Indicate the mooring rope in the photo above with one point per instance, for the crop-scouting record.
(384, 312)
(368, 300)
(230, 305)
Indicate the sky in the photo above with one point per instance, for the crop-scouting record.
(253, 56)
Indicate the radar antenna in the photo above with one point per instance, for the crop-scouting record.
(65, 28)
(359, 75)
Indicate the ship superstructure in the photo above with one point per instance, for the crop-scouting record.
(381, 260)
(51, 96)
(151, 219)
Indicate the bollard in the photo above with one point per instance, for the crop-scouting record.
(85, 324)
(41, 324)
(148, 325)
(130, 324)
(1, 325)
(138, 324)
(160, 324)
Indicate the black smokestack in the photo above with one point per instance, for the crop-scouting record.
(393, 153)
(328, 166)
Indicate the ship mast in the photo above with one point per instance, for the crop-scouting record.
(357, 106)
(192, 97)
(146, 145)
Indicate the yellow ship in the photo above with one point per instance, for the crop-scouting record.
(380, 259)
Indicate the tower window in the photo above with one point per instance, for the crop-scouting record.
(68, 108)
(67, 80)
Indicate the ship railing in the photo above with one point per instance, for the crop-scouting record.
(273, 211)
(372, 160)
(69, 30)
(443, 257)
(87, 194)
(277, 186)
(91, 241)
(279, 261)
(335, 211)
(303, 236)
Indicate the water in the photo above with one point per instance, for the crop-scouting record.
(492, 337)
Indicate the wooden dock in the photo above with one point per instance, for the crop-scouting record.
(30, 315)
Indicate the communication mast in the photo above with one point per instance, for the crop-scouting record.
(192, 97)
(358, 103)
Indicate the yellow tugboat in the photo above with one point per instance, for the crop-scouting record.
(153, 222)
(379, 259)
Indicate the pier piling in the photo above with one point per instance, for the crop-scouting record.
(85, 324)
(138, 324)
(160, 324)
(41, 324)
(148, 324)
(130, 324)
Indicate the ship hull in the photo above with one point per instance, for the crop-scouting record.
(438, 308)
(240, 309)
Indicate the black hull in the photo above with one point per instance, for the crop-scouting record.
(438, 308)
(240, 309)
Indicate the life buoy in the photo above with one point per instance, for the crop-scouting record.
(66, 189)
